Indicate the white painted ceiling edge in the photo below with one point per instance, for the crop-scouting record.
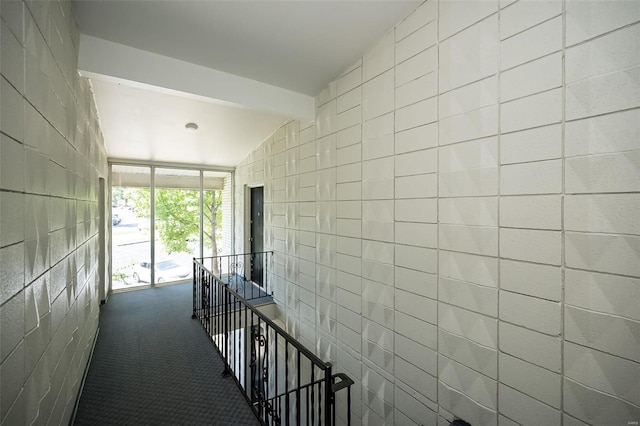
(103, 59)
(297, 45)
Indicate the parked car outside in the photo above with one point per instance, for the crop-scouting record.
(115, 219)
(166, 271)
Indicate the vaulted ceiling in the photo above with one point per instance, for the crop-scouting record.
(238, 69)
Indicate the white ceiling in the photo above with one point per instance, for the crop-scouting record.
(291, 49)
(146, 124)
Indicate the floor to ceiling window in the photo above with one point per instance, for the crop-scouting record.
(177, 223)
(130, 221)
(162, 218)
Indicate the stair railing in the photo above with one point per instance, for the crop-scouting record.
(285, 383)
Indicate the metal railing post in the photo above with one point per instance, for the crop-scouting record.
(226, 329)
(193, 315)
(328, 397)
(286, 378)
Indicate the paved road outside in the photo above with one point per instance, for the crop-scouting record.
(131, 245)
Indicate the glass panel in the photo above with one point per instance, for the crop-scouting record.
(177, 223)
(130, 218)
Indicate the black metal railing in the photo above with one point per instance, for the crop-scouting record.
(285, 383)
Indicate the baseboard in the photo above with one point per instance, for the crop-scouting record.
(84, 378)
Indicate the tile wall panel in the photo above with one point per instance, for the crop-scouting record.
(51, 155)
(377, 249)
(467, 220)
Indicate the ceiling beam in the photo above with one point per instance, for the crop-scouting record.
(99, 58)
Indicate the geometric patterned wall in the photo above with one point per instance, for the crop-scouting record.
(51, 157)
(459, 228)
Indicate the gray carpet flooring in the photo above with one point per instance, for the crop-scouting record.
(154, 365)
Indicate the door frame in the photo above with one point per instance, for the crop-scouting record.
(247, 215)
(103, 290)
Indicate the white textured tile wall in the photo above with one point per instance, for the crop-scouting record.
(468, 215)
(51, 156)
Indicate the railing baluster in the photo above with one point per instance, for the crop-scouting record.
(349, 406)
(328, 396)
(275, 376)
(308, 402)
(234, 333)
(266, 271)
(252, 258)
(246, 352)
(193, 277)
(219, 304)
(260, 366)
(286, 379)
(216, 311)
(265, 373)
(238, 333)
(220, 315)
(320, 390)
(253, 360)
(206, 302)
(206, 299)
(227, 325)
(298, 389)
(313, 368)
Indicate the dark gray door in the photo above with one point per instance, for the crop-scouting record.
(257, 234)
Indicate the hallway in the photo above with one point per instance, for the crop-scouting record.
(153, 364)
(451, 193)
